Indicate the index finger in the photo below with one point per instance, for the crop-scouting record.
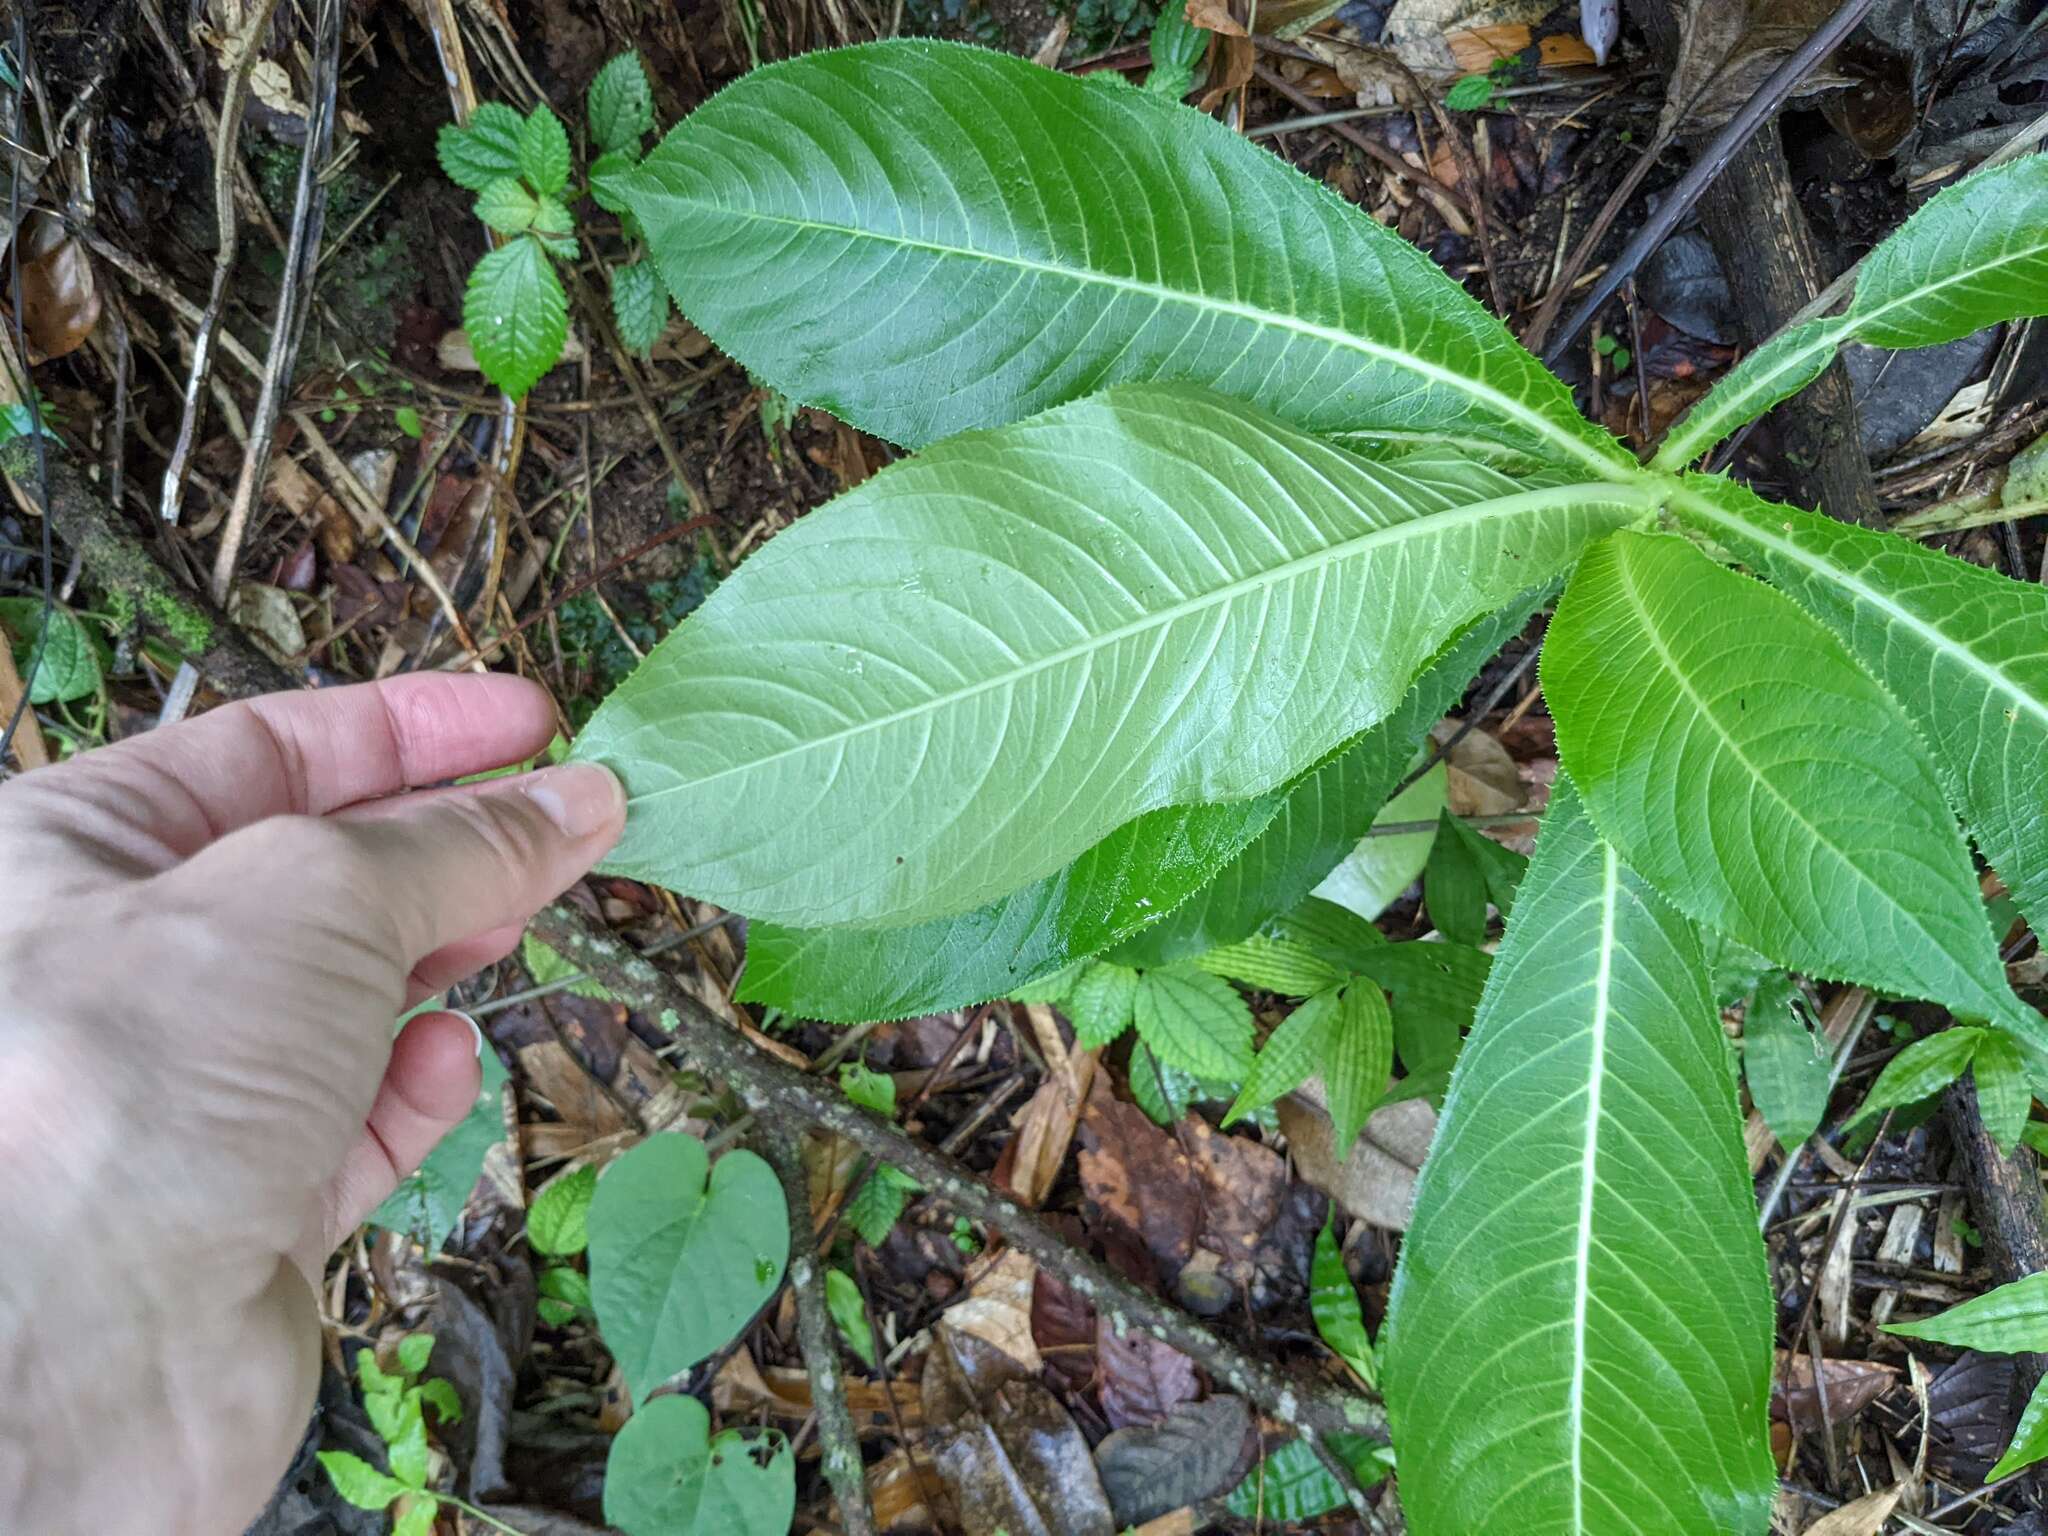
(306, 754)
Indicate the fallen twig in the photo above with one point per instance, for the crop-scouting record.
(838, 1443)
(782, 1095)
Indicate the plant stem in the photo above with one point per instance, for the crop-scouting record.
(474, 1513)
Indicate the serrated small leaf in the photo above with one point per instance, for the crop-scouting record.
(607, 173)
(620, 104)
(1101, 1003)
(419, 1517)
(405, 1443)
(439, 1394)
(1283, 965)
(559, 1222)
(2011, 1320)
(850, 1312)
(2029, 1441)
(2004, 1096)
(878, 1204)
(1923, 1068)
(639, 306)
(551, 217)
(1787, 1066)
(507, 206)
(847, 771)
(483, 150)
(841, 238)
(1195, 1021)
(676, 1266)
(1333, 1302)
(1162, 1090)
(1783, 797)
(1469, 93)
(358, 1482)
(414, 1350)
(1050, 988)
(515, 315)
(544, 152)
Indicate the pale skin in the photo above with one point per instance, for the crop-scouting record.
(206, 934)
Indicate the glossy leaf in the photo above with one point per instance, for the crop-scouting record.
(515, 315)
(924, 237)
(1975, 255)
(961, 674)
(482, 150)
(1923, 1068)
(1754, 774)
(1787, 1066)
(1333, 1302)
(1194, 1021)
(1962, 649)
(676, 1266)
(2010, 1320)
(1293, 1485)
(1579, 1337)
(620, 104)
(2029, 1441)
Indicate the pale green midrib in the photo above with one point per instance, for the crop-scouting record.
(1994, 676)
(1688, 441)
(1863, 878)
(1540, 422)
(1555, 498)
(1603, 981)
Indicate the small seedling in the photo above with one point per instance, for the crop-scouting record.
(396, 1403)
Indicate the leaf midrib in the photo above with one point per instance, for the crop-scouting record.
(1542, 424)
(1684, 445)
(1648, 496)
(1589, 1182)
(1991, 672)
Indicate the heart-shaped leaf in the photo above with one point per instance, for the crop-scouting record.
(675, 1267)
(666, 1476)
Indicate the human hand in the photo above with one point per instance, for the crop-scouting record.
(207, 933)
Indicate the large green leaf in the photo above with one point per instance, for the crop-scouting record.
(1321, 821)
(1975, 255)
(1963, 650)
(677, 1267)
(955, 678)
(667, 1476)
(1246, 861)
(1579, 1336)
(1751, 771)
(924, 237)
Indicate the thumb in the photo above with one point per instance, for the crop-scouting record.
(450, 864)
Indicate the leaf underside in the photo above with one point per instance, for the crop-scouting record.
(960, 675)
(1579, 1334)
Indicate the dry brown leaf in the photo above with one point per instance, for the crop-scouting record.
(1045, 1126)
(997, 1308)
(1852, 1386)
(60, 301)
(1481, 779)
(1376, 1183)
(784, 1391)
(1214, 16)
(1727, 48)
(1860, 1517)
(1138, 1179)
(1063, 1324)
(1243, 1184)
(267, 615)
(1420, 31)
(1006, 1450)
(1143, 1378)
(897, 1494)
(549, 1071)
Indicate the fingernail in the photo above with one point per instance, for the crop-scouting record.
(579, 798)
(475, 1029)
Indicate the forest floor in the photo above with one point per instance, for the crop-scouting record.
(404, 518)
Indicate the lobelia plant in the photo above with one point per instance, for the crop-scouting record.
(1221, 495)
(514, 310)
